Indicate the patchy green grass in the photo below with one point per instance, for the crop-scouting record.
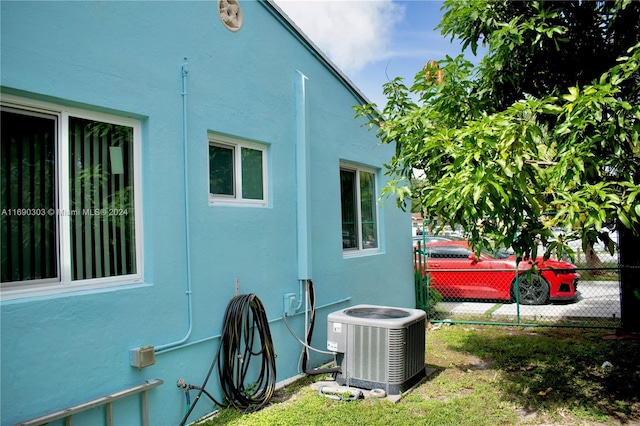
(486, 375)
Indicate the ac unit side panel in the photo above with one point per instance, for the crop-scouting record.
(336, 335)
(367, 353)
(415, 348)
(397, 355)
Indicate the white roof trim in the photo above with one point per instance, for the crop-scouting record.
(298, 33)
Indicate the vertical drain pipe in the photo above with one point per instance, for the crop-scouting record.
(187, 228)
(302, 195)
(302, 180)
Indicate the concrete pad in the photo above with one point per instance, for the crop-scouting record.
(333, 387)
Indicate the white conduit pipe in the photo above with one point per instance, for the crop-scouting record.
(187, 228)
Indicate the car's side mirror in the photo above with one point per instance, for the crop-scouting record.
(473, 258)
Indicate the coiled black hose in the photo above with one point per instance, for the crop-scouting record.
(244, 317)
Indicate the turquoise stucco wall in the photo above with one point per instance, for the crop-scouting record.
(126, 58)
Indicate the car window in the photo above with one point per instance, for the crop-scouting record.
(447, 252)
(498, 254)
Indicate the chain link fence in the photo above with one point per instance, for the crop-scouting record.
(453, 285)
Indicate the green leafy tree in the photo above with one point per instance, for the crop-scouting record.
(543, 135)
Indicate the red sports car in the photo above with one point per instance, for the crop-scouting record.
(455, 272)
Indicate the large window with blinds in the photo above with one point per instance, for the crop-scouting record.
(68, 194)
(359, 209)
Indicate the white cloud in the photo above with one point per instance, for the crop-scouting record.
(351, 33)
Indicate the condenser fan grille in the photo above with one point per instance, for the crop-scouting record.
(376, 313)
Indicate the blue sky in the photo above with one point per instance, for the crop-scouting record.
(373, 41)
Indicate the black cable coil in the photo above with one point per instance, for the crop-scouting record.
(245, 316)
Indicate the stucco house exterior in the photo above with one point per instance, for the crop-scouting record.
(159, 158)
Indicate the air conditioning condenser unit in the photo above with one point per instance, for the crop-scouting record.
(378, 347)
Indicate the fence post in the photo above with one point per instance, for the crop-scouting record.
(629, 278)
(517, 293)
(421, 290)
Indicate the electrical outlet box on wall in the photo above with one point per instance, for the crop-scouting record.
(289, 304)
(143, 356)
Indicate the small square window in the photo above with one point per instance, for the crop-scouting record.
(237, 171)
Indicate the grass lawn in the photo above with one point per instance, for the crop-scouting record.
(487, 375)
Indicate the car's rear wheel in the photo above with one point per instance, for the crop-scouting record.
(534, 290)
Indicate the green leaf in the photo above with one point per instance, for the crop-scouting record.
(551, 109)
(573, 94)
(477, 193)
(624, 219)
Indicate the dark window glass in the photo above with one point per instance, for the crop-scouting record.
(252, 185)
(102, 209)
(368, 210)
(349, 209)
(221, 170)
(29, 248)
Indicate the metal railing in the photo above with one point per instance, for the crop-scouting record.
(107, 400)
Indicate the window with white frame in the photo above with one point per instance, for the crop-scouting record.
(237, 171)
(69, 191)
(359, 209)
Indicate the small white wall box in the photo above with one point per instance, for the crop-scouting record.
(378, 347)
(290, 304)
(143, 356)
